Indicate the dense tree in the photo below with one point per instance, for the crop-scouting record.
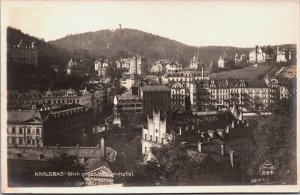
(275, 139)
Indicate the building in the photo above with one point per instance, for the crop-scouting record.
(185, 77)
(97, 98)
(170, 67)
(218, 94)
(156, 68)
(137, 65)
(178, 96)
(195, 62)
(157, 97)
(67, 126)
(25, 128)
(53, 98)
(128, 103)
(283, 55)
(127, 81)
(261, 54)
(25, 163)
(100, 67)
(24, 54)
(221, 62)
(155, 132)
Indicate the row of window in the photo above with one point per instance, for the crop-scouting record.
(21, 130)
(156, 138)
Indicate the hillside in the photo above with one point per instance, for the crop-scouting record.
(47, 53)
(127, 42)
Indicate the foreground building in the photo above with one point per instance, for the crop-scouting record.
(27, 164)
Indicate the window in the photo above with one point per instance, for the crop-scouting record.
(28, 131)
(150, 137)
(156, 139)
(21, 141)
(145, 136)
(37, 131)
(13, 130)
(20, 130)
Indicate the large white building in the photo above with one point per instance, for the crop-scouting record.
(155, 132)
(156, 68)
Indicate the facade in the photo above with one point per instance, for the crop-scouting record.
(52, 98)
(24, 54)
(25, 128)
(156, 68)
(221, 62)
(215, 94)
(137, 65)
(128, 103)
(67, 125)
(127, 81)
(178, 95)
(283, 55)
(260, 54)
(154, 133)
(173, 67)
(195, 62)
(156, 97)
(185, 77)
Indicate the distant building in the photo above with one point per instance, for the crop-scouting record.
(156, 68)
(195, 62)
(100, 67)
(178, 95)
(260, 54)
(283, 55)
(24, 54)
(173, 67)
(221, 62)
(137, 65)
(49, 97)
(127, 81)
(185, 77)
(156, 97)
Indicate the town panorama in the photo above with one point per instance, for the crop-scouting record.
(117, 112)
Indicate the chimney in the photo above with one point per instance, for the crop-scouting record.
(200, 146)
(232, 124)
(193, 127)
(232, 158)
(222, 149)
(227, 129)
(238, 122)
(186, 128)
(180, 131)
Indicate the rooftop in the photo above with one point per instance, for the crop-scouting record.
(156, 88)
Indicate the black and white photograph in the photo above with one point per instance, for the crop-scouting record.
(149, 96)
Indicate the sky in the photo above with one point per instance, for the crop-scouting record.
(196, 23)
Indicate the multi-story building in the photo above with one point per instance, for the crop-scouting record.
(100, 67)
(25, 128)
(260, 54)
(128, 103)
(24, 54)
(67, 125)
(53, 98)
(185, 77)
(178, 95)
(155, 132)
(156, 97)
(195, 62)
(137, 65)
(173, 67)
(127, 81)
(214, 94)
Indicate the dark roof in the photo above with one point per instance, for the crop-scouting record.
(156, 88)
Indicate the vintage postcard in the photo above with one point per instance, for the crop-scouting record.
(149, 96)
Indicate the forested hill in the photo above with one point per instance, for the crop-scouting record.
(127, 42)
(47, 55)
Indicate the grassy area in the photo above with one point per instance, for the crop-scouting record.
(248, 73)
